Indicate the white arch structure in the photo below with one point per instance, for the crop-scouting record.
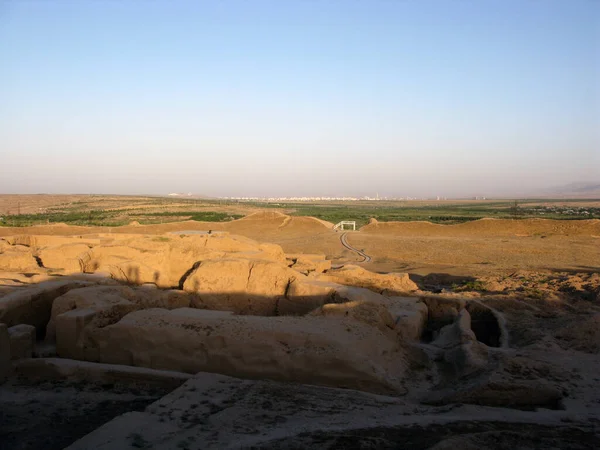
(349, 223)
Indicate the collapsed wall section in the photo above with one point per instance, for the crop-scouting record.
(315, 350)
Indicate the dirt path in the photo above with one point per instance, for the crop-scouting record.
(344, 241)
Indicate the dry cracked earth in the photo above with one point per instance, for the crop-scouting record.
(169, 339)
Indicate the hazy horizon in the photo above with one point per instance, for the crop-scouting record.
(299, 98)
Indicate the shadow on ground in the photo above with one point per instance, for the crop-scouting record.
(436, 282)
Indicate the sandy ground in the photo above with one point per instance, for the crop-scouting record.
(477, 248)
(478, 255)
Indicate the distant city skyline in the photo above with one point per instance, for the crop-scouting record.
(298, 98)
(579, 189)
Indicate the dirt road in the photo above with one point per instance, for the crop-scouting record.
(344, 241)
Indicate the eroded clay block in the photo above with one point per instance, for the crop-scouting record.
(22, 341)
(70, 327)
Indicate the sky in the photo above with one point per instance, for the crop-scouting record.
(299, 98)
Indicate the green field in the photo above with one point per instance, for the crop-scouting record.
(447, 213)
(114, 218)
(155, 210)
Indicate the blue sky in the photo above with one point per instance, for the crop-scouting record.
(312, 97)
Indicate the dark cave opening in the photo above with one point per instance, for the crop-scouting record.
(485, 325)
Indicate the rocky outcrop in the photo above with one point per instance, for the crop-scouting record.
(111, 303)
(18, 258)
(304, 295)
(493, 390)
(33, 305)
(373, 314)
(347, 336)
(356, 294)
(315, 350)
(240, 285)
(441, 312)
(270, 252)
(306, 264)
(461, 350)
(388, 284)
(134, 264)
(59, 369)
(410, 316)
(68, 258)
(135, 272)
(162, 260)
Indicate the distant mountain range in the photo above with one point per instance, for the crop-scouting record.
(575, 190)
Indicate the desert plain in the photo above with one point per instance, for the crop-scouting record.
(131, 326)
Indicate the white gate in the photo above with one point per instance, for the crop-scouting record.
(348, 223)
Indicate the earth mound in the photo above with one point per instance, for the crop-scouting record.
(489, 227)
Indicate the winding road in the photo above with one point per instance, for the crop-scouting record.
(343, 239)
